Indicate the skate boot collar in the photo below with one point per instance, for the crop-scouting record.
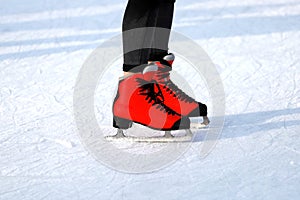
(149, 71)
(127, 76)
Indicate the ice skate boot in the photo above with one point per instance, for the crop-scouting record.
(188, 106)
(140, 100)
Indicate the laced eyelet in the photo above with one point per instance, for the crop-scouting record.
(156, 98)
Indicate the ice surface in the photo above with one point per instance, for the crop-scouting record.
(255, 46)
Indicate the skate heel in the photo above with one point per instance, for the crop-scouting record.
(121, 123)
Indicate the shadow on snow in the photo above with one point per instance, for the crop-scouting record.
(241, 125)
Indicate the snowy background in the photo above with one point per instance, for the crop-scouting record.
(255, 46)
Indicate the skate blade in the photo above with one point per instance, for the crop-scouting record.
(162, 139)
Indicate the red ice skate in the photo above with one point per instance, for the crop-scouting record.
(172, 94)
(139, 100)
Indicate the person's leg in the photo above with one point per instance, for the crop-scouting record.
(164, 19)
(140, 21)
(138, 14)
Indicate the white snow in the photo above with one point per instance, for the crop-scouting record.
(255, 46)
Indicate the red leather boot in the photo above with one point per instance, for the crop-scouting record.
(140, 100)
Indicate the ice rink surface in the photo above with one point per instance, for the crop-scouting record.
(255, 46)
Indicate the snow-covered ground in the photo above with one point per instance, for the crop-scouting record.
(255, 46)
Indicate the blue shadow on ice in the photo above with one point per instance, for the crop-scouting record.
(241, 125)
(16, 6)
(231, 27)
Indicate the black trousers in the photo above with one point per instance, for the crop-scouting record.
(146, 31)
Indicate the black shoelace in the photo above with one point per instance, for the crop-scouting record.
(154, 97)
(172, 88)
